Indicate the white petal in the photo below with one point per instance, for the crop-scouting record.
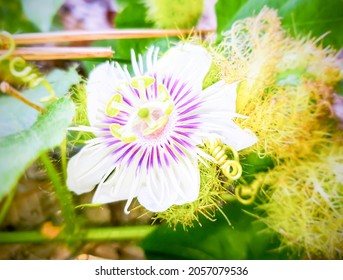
(151, 58)
(123, 184)
(220, 97)
(228, 132)
(237, 137)
(120, 185)
(218, 109)
(102, 83)
(176, 184)
(157, 189)
(136, 66)
(86, 168)
(186, 62)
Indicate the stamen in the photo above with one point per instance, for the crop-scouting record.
(141, 84)
(153, 122)
(114, 128)
(122, 134)
(163, 94)
(115, 105)
(110, 110)
(148, 81)
(168, 107)
(142, 91)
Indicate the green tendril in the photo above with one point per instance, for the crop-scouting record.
(10, 43)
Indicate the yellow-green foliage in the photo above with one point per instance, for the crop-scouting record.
(289, 121)
(286, 90)
(213, 76)
(174, 14)
(5, 74)
(250, 50)
(79, 97)
(305, 202)
(286, 87)
(316, 63)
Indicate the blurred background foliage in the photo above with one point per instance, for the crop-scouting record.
(299, 17)
(246, 237)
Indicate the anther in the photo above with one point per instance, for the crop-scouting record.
(163, 94)
(122, 134)
(111, 109)
(147, 82)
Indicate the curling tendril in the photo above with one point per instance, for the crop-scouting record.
(231, 168)
(19, 67)
(10, 44)
(246, 194)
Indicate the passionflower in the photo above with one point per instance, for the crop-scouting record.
(149, 126)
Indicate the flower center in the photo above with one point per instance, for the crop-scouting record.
(148, 118)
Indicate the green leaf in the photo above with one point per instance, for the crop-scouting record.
(132, 16)
(253, 164)
(300, 17)
(41, 12)
(16, 116)
(122, 49)
(12, 18)
(227, 12)
(247, 238)
(18, 150)
(339, 88)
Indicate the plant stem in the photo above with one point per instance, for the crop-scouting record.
(91, 234)
(63, 150)
(7, 88)
(11, 44)
(75, 36)
(118, 233)
(54, 53)
(7, 204)
(63, 195)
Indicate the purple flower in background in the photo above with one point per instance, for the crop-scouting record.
(148, 127)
